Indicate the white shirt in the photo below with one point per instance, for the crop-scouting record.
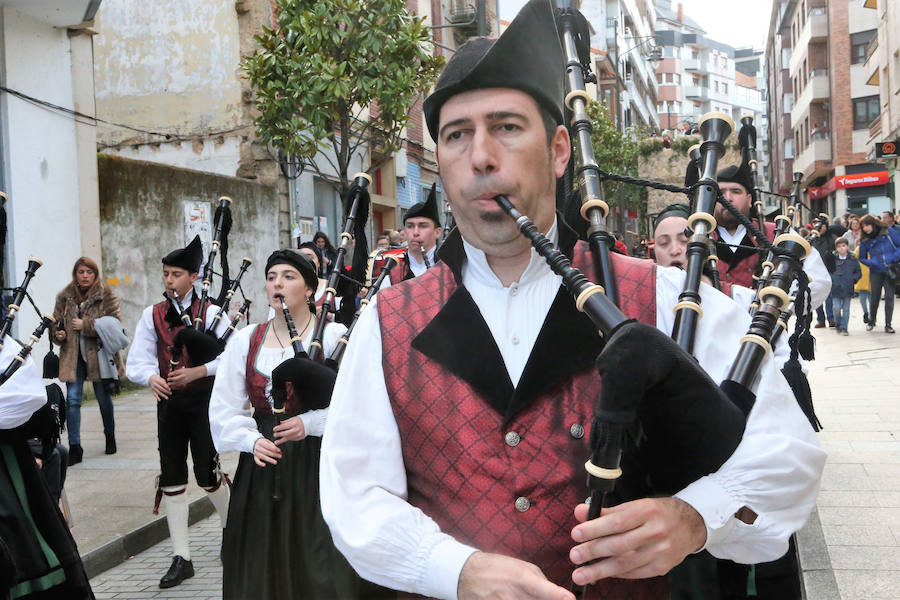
(417, 268)
(21, 394)
(774, 471)
(820, 279)
(142, 362)
(230, 422)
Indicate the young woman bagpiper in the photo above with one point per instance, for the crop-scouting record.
(270, 402)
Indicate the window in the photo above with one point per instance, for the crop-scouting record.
(864, 111)
(788, 103)
(724, 88)
(668, 51)
(678, 78)
(785, 57)
(858, 43)
(789, 148)
(670, 77)
(659, 78)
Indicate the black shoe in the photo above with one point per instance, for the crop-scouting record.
(831, 323)
(75, 454)
(888, 329)
(866, 318)
(870, 326)
(110, 443)
(179, 571)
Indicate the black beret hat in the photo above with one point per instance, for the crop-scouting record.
(427, 209)
(298, 260)
(188, 258)
(738, 174)
(527, 57)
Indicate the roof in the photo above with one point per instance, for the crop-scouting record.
(672, 16)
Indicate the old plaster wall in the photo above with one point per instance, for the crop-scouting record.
(141, 211)
(170, 67)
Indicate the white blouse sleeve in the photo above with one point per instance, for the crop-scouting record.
(21, 394)
(232, 427)
(142, 362)
(776, 468)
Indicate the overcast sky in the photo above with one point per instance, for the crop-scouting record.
(738, 23)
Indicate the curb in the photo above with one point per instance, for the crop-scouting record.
(819, 582)
(136, 541)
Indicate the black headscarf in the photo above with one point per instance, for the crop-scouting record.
(296, 259)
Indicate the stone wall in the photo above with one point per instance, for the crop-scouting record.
(142, 219)
(669, 165)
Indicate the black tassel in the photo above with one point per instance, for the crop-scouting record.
(796, 378)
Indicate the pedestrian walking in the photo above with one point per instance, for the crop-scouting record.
(78, 307)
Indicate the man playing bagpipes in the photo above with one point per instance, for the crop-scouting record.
(176, 358)
(452, 457)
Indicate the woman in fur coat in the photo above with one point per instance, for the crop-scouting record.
(78, 305)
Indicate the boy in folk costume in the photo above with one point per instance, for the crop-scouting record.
(182, 385)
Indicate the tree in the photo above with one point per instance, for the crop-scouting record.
(616, 152)
(336, 76)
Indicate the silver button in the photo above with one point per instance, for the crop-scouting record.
(576, 431)
(522, 504)
(512, 439)
(513, 289)
(515, 340)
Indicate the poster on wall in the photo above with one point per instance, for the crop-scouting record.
(198, 221)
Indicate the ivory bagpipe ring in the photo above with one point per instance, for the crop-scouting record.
(583, 296)
(577, 94)
(690, 306)
(704, 217)
(600, 472)
(594, 203)
(796, 238)
(777, 292)
(758, 340)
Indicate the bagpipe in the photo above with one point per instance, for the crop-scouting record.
(356, 214)
(657, 405)
(381, 262)
(20, 294)
(202, 343)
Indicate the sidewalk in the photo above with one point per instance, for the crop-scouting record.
(110, 498)
(849, 550)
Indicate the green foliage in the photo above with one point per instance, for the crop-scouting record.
(616, 152)
(683, 144)
(321, 72)
(648, 147)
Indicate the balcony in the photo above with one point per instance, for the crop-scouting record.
(695, 64)
(816, 28)
(699, 92)
(819, 150)
(817, 90)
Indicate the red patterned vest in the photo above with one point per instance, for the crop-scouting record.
(257, 382)
(165, 341)
(742, 271)
(502, 486)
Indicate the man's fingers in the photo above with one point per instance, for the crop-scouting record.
(612, 520)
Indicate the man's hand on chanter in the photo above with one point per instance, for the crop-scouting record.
(635, 540)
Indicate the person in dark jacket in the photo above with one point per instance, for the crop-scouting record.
(880, 246)
(823, 242)
(846, 274)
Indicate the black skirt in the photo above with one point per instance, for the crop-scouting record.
(282, 550)
(45, 557)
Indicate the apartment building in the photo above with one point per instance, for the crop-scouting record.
(831, 102)
(779, 99)
(882, 68)
(698, 75)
